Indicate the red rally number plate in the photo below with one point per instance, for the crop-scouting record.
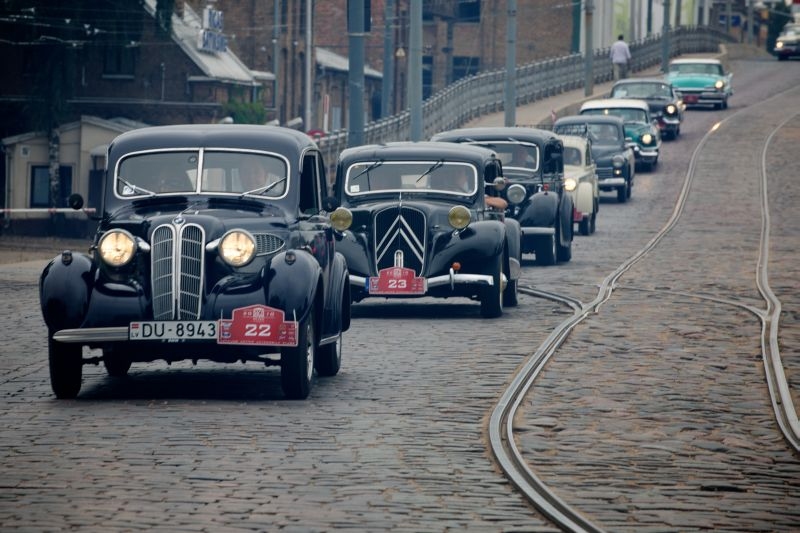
(690, 98)
(397, 280)
(257, 325)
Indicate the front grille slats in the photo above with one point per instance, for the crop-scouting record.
(266, 243)
(177, 259)
(400, 229)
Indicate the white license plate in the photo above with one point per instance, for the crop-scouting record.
(176, 330)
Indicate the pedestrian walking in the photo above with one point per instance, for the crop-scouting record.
(620, 56)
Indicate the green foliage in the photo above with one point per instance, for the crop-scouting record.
(245, 113)
(778, 17)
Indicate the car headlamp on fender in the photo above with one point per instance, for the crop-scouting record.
(647, 138)
(237, 248)
(458, 217)
(341, 219)
(719, 85)
(516, 194)
(671, 109)
(570, 184)
(117, 248)
(618, 161)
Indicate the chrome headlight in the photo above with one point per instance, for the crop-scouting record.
(341, 219)
(570, 184)
(516, 194)
(458, 217)
(671, 109)
(237, 248)
(618, 161)
(779, 44)
(719, 85)
(647, 138)
(117, 248)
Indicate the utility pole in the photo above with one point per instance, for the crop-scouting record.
(665, 39)
(276, 49)
(388, 59)
(309, 71)
(649, 18)
(750, 25)
(677, 14)
(589, 50)
(511, 64)
(355, 32)
(415, 70)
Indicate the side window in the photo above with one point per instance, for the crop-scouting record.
(309, 185)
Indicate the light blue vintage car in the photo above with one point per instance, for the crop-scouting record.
(701, 81)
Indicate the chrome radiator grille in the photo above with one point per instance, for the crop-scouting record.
(177, 271)
(400, 232)
(605, 173)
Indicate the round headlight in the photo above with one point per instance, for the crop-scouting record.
(516, 194)
(720, 84)
(570, 184)
(671, 109)
(341, 219)
(618, 161)
(237, 248)
(647, 138)
(458, 217)
(117, 248)
(779, 44)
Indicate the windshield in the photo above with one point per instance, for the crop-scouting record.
(604, 134)
(572, 156)
(515, 154)
(697, 68)
(222, 172)
(628, 114)
(372, 177)
(641, 90)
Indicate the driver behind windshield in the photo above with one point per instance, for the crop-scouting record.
(253, 176)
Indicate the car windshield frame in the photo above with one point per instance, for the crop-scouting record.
(644, 90)
(696, 69)
(367, 178)
(174, 172)
(628, 114)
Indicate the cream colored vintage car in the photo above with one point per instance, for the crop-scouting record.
(580, 181)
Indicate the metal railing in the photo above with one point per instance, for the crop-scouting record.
(475, 96)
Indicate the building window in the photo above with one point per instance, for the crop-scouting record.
(40, 186)
(468, 11)
(119, 61)
(465, 66)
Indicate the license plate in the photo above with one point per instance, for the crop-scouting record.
(690, 99)
(397, 280)
(176, 330)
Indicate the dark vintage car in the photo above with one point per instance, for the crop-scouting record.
(615, 161)
(666, 106)
(421, 225)
(534, 170)
(787, 44)
(211, 244)
(641, 132)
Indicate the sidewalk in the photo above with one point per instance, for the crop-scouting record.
(540, 113)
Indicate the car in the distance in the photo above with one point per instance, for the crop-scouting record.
(616, 168)
(641, 131)
(421, 225)
(701, 81)
(212, 243)
(580, 182)
(533, 167)
(787, 44)
(665, 103)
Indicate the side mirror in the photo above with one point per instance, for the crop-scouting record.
(499, 183)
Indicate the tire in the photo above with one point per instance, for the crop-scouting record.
(297, 362)
(593, 223)
(66, 367)
(584, 226)
(725, 104)
(510, 295)
(492, 296)
(563, 253)
(622, 193)
(545, 250)
(328, 359)
(117, 363)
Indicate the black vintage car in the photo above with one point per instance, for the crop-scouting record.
(664, 101)
(421, 226)
(211, 244)
(616, 164)
(534, 169)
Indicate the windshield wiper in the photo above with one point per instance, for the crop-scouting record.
(438, 164)
(136, 188)
(373, 166)
(263, 190)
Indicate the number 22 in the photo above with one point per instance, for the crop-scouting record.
(256, 330)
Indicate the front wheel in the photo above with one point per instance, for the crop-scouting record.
(622, 193)
(492, 296)
(510, 295)
(329, 358)
(584, 226)
(297, 362)
(545, 250)
(66, 367)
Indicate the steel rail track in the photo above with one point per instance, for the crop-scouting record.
(501, 438)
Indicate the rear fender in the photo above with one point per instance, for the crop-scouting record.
(584, 198)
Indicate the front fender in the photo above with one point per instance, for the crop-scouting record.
(584, 198)
(290, 283)
(540, 211)
(65, 288)
(473, 247)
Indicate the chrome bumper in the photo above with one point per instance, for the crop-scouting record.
(538, 230)
(87, 335)
(611, 182)
(452, 279)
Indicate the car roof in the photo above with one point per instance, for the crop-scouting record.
(594, 119)
(417, 151)
(231, 136)
(630, 81)
(615, 103)
(694, 60)
(466, 135)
